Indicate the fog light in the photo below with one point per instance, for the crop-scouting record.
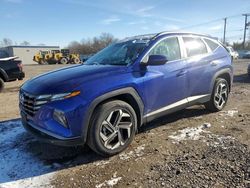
(60, 118)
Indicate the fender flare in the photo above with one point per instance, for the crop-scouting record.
(128, 90)
(4, 75)
(220, 72)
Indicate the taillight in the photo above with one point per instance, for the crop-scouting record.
(20, 66)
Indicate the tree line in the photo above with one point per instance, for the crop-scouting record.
(8, 42)
(91, 46)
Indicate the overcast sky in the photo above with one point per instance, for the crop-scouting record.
(58, 22)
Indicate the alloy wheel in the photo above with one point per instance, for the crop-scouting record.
(115, 130)
(221, 95)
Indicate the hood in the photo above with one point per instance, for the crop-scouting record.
(67, 79)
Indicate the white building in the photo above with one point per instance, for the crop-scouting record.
(26, 53)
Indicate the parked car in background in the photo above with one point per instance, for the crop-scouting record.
(234, 54)
(244, 54)
(10, 69)
(104, 101)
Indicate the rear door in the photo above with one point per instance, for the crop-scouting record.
(200, 69)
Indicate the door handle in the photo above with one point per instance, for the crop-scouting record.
(181, 73)
(214, 63)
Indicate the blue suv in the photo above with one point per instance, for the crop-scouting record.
(129, 83)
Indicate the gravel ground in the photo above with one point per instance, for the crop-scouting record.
(190, 148)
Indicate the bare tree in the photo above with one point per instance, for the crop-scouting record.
(25, 43)
(6, 42)
(90, 46)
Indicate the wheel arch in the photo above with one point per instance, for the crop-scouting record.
(226, 74)
(128, 95)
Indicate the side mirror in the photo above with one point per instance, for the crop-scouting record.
(157, 60)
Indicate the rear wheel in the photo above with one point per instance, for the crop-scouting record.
(112, 128)
(219, 96)
(1, 84)
(76, 61)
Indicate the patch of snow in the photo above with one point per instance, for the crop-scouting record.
(113, 181)
(190, 133)
(18, 165)
(220, 140)
(136, 153)
(42, 181)
(230, 113)
(101, 163)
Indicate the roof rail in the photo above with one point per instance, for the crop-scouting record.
(181, 32)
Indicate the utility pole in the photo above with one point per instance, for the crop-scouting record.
(245, 29)
(225, 28)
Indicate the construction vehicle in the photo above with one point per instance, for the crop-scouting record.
(40, 57)
(74, 58)
(62, 56)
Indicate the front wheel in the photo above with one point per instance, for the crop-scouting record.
(112, 128)
(219, 96)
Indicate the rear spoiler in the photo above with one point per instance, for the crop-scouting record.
(8, 58)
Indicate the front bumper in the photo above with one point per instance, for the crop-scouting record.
(41, 123)
(47, 137)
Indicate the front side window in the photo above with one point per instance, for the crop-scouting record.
(194, 46)
(168, 47)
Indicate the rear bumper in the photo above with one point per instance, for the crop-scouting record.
(15, 76)
(47, 137)
(21, 76)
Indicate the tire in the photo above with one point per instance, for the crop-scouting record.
(76, 61)
(219, 96)
(106, 128)
(64, 61)
(1, 85)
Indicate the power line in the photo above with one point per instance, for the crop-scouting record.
(209, 22)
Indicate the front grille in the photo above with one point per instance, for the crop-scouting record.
(29, 103)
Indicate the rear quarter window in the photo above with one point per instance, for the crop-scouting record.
(211, 44)
(194, 46)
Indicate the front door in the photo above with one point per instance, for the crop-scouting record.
(165, 85)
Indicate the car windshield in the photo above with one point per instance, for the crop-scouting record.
(120, 53)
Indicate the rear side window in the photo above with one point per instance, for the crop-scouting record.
(168, 47)
(212, 45)
(194, 46)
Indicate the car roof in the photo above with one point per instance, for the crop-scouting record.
(165, 33)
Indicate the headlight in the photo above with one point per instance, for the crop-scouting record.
(57, 97)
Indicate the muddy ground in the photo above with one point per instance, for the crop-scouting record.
(190, 148)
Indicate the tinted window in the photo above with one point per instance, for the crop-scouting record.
(3, 54)
(194, 46)
(212, 45)
(168, 47)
